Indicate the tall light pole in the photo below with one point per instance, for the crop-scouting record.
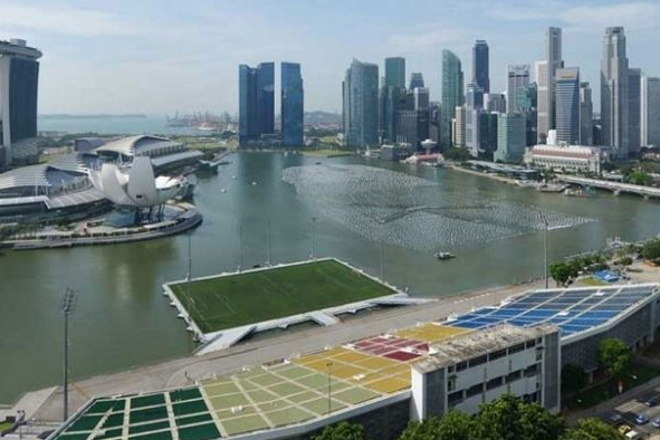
(68, 303)
(313, 227)
(268, 243)
(328, 365)
(545, 247)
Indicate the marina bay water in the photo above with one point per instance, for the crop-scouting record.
(343, 205)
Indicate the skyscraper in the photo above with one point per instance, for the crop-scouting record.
(256, 104)
(511, 137)
(480, 69)
(360, 105)
(495, 102)
(651, 111)
(416, 80)
(292, 103)
(545, 74)
(421, 98)
(517, 82)
(395, 72)
(474, 102)
(586, 115)
(19, 82)
(634, 110)
(567, 92)
(614, 92)
(452, 94)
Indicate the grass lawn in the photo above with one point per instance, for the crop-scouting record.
(235, 300)
(5, 425)
(602, 391)
(592, 281)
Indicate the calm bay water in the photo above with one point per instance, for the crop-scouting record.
(122, 320)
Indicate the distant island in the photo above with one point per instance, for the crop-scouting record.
(97, 116)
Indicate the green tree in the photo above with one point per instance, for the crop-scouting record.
(509, 418)
(638, 177)
(614, 356)
(342, 431)
(457, 154)
(651, 249)
(456, 425)
(573, 378)
(593, 429)
(427, 429)
(560, 272)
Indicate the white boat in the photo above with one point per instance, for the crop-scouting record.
(444, 256)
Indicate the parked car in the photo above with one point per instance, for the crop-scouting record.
(624, 429)
(640, 418)
(652, 400)
(633, 435)
(656, 422)
(612, 417)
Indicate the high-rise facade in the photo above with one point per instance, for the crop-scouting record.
(292, 103)
(495, 102)
(360, 105)
(546, 72)
(474, 102)
(567, 97)
(511, 137)
(416, 80)
(614, 106)
(634, 110)
(19, 82)
(452, 94)
(517, 83)
(651, 111)
(458, 131)
(256, 103)
(480, 65)
(586, 115)
(395, 72)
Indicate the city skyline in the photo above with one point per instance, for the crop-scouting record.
(155, 71)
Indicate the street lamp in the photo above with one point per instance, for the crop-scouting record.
(68, 303)
(313, 227)
(328, 365)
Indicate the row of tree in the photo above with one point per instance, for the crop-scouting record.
(563, 272)
(506, 418)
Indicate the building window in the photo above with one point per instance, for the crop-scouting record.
(474, 390)
(497, 355)
(454, 399)
(531, 371)
(451, 383)
(461, 366)
(530, 344)
(477, 361)
(451, 368)
(517, 348)
(494, 383)
(512, 377)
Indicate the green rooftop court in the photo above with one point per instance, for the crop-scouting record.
(227, 301)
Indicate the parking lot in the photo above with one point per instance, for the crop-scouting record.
(626, 414)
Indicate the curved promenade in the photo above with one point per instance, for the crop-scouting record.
(189, 219)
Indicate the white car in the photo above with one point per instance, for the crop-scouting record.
(632, 435)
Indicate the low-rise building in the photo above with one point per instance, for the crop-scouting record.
(573, 158)
(470, 369)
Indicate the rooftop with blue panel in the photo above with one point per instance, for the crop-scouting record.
(574, 310)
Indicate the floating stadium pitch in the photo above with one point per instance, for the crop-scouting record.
(236, 304)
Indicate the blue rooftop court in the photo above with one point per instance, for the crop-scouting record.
(574, 310)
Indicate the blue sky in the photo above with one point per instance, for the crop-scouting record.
(160, 56)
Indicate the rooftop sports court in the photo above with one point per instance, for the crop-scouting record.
(233, 300)
(304, 388)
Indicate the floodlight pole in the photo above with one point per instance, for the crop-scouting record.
(268, 243)
(313, 227)
(67, 308)
(328, 365)
(545, 247)
(382, 261)
(240, 254)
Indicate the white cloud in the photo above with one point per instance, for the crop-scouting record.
(68, 21)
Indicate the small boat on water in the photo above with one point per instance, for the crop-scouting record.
(444, 256)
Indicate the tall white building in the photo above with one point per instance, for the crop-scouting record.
(614, 103)
(650, 121)
(545, 74)
(19, 82)
(517, 83)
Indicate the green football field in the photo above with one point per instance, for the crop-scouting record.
(234, 300)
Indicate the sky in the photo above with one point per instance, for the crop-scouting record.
(157, 57)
